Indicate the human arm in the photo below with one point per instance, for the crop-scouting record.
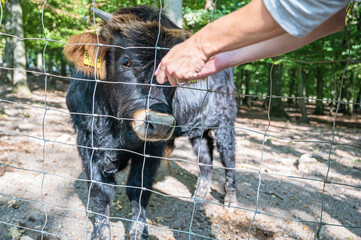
(270, 48)
(248, 25)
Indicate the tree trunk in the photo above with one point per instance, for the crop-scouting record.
(50, 61)
(319, 90)
(344, 92)
(155, 4)
(209, 5)
(39, 61)
(358, 100)
(291, 89)
(238, 84)
(9, 45)
(19, 78)
(173, 9)
(350, 95)
(247, 98)
(300, 93)
(333, 91)
(63, 67)
(277, 109)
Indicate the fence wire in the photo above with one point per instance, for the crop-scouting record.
(195, 200)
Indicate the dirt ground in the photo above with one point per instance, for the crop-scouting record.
(295, 161)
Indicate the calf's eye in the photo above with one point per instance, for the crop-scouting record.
(126, 62)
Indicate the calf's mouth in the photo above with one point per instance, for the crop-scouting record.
(153, 126)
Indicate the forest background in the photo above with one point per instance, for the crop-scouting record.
(316, 75)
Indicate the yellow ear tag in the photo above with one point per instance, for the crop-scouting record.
(194, 81)
(90, 62)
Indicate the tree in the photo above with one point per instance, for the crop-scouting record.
(277, 109)
(209, 5)
(301, 95)
(173, 9)
(319, 90)
(9, 44)
(291, 88)
(64, 18)
(19, 77)
(358, 100)
(247, 79)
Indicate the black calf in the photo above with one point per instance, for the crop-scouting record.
(129, 112)
(204, 111)
(101, 165)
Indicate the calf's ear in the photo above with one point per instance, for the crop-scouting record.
(82, 49)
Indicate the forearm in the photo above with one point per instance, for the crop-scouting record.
(272, 47)
(288, 43)
(248, 25)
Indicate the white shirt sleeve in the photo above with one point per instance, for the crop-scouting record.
(300, 17)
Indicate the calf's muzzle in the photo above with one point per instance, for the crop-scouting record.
(153, 126)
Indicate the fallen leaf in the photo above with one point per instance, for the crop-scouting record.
(26, 238)
(12, 203)
(159, 219)
(118, 205)
(14, 232)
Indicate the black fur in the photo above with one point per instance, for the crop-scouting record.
(123, 100)
(208, 110)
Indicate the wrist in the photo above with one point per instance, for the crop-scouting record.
(203, 42)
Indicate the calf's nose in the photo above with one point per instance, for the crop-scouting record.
(153, 126)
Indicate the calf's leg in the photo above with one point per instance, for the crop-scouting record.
(140, 198)
(226, 147)
(101, 188)
(101, 196)
(203, 147)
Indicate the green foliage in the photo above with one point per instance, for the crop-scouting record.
(196, 17)
(64, 18)
(323, 52)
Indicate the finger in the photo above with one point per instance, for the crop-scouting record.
(161, 76)
(172, 80)
(184, 77)
(181, 82)
(207, 70)
(203, 74)
(192, 76)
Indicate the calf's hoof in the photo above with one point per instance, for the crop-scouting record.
(203, 191)
(230, 199)
(138, 231)
(101, 230)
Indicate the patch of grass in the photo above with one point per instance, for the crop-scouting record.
(357, 161)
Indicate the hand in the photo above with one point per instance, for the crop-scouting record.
(216, 64)
(182, 63)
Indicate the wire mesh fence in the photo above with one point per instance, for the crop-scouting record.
(265, 188)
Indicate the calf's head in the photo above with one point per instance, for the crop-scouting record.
(126, 60)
